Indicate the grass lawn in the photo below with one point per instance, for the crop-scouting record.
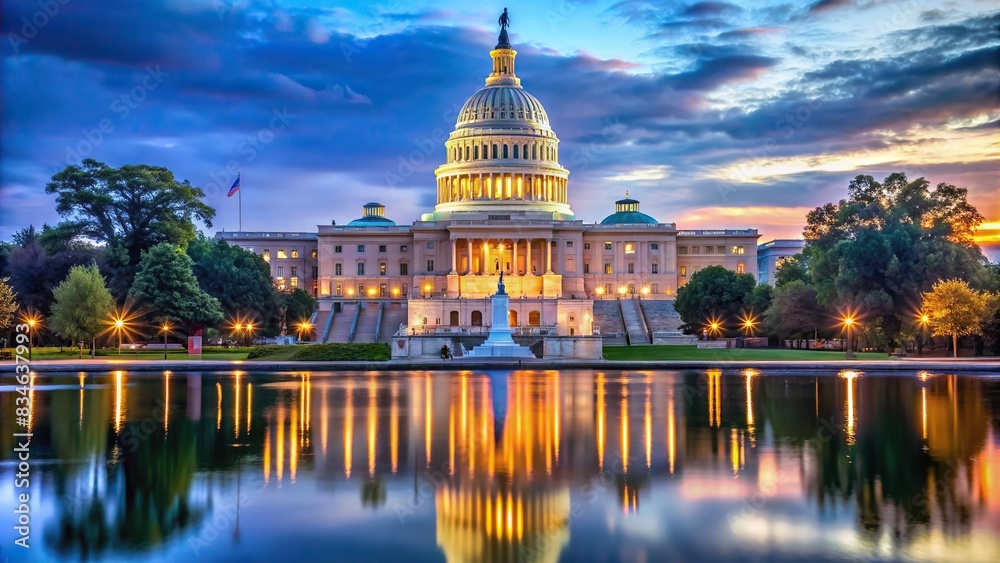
(53, 353)
(728, 354)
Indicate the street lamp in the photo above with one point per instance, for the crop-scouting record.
(848, 321)
(645, 292)
(749, 321)
(249, 334)
(32, 320)
(302, 327)
(166, 329)
(600, 292)
(924, 321)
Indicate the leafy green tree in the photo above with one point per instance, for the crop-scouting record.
(82, 305)
(878, 250)
(759, 299)
(134, 206)
(791, 269)
(795, 311)
(35, 268)
(956, 310)
(238, 278)
(8, 303)
(166, 288)
(296, 306)
(712, 293)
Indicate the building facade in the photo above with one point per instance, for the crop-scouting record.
(503, 205)
(772, 253)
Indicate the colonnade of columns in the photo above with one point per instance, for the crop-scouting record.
(489, 185)
(491, 256)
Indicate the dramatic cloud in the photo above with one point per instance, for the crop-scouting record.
(704, 110)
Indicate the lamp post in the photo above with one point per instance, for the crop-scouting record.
(848, 323)
(249, 334)
(239, 332)
(303, 326)
(119, 326)
(165, 328)
(600, 292)
(31, 321)
(924, 323)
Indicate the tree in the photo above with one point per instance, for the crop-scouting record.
(295, 306)
(759, 299)
(166, 287)
(878, 250)
(134, 207)
(794, 311)
(238, 278)
(8, 303)
(791, 269)
(712, 293)
(82, 304)
(35, 268)
(956, 310)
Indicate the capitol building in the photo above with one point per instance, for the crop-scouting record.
(503, 205)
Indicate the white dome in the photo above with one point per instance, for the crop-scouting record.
(502, 105)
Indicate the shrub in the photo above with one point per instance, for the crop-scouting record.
(376, 352)
(261, 351)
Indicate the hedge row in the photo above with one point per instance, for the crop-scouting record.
(375, 352)
(261, 351)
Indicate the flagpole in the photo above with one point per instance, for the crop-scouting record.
(240, 191)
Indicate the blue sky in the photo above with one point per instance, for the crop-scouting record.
(714, 114)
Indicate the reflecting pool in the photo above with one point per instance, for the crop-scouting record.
(506, 467)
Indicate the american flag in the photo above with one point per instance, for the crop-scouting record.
(235, 188)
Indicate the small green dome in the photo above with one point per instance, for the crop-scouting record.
(374, 217)
(627, 213)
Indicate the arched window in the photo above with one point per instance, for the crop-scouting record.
(477, 318)
(534, 318)
(505, 151)
(534, 152)
(495, 150)
(425, 320)
(453, 318)
(524, 153)
(516, 155)
(513, 317)
(466, 152)
(475, 153)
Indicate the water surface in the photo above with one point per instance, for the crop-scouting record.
(507, 466)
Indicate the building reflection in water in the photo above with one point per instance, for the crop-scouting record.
(507, 454)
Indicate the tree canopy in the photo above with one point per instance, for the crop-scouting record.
(8, 303)
(956, 310)
(133, 207)
(238, 278)
(889, 241)
(713, 293)
(166, 288)
(82, 304)
(794, 311)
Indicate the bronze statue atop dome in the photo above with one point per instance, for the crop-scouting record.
(504, 20)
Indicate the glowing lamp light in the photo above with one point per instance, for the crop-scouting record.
(371, 292)
(600, 291)
(350, 291)
(621, 290)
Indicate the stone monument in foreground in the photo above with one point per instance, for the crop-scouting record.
(499, 343)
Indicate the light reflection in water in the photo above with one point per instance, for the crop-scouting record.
(514, 470)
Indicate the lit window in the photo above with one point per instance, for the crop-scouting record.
(338, 290)
(266, 255)
(607, 267)
(295, 254)
(629, 248)
(381, 269)
(338, 269)
(314, 253)
(741, 268)
(607, 246)
(684, 270)
(738, 250)
(607, 288)
(294, 282)
(655, 288)
(281, 254)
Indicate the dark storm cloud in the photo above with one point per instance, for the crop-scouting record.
(826, 5)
